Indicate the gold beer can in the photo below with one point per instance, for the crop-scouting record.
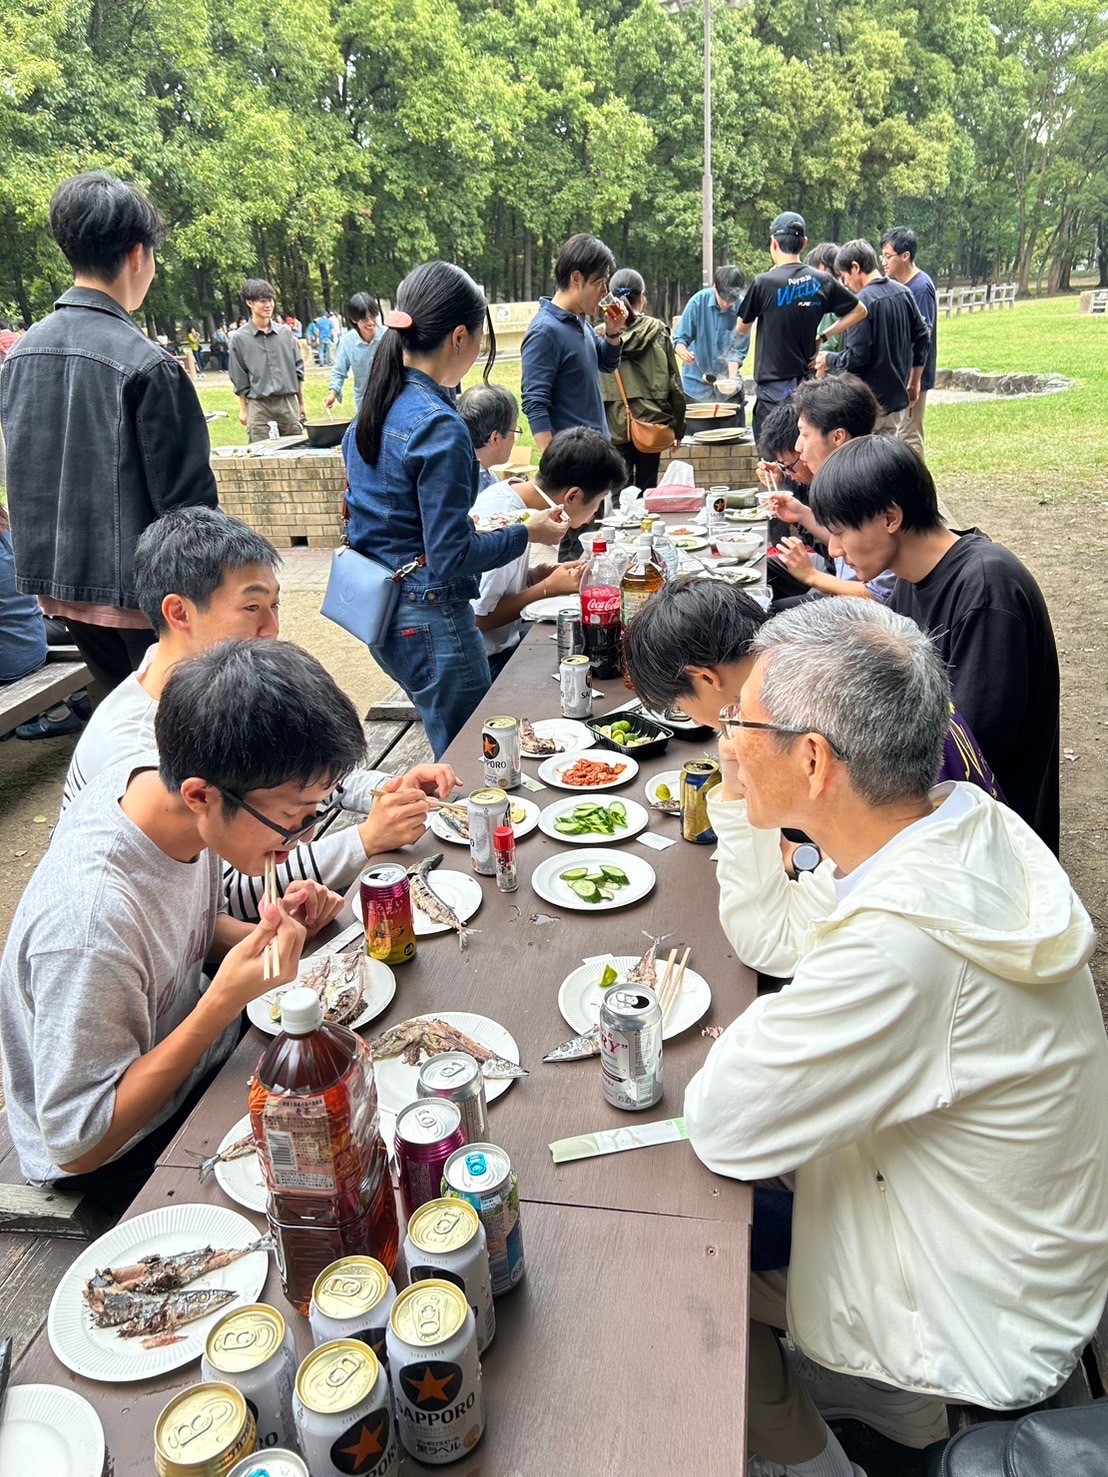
(435, 1372)
(344, 1420)
(352, 1299)
(698, 777)
(203, 1432)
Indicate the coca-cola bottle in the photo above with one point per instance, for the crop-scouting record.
(600, 601)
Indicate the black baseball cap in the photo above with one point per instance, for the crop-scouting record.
(788, 223)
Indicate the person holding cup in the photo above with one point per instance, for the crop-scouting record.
(651, 381)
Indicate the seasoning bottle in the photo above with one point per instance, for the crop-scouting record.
(504, 844)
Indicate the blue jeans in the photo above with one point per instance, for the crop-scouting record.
(326, 353)
(436, 654)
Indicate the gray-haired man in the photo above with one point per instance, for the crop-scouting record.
(935, 1075)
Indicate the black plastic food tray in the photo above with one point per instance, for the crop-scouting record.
(639, 725)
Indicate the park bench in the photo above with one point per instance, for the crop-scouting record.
(1100, 302)
(61, 675)
(1002, 295)
(975, 299)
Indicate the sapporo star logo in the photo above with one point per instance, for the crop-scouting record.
(357, 1450)
(489, 747)
(432, 1385)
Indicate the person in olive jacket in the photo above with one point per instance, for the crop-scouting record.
(651, 381)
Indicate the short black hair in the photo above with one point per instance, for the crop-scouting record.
(485, 409)
(689, 622)
(902, 239)
(361, 306)
(729, 282)
(585, 254)
(778, 430)
(97, 219)
(189, 552)
(866, 478)
(584, 458)
(823, 256)
(840, 402)
(252, 715)
(257, 289)
(856, 252)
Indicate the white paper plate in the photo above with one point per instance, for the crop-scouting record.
(99, 1353)
(522, 828)
(547, 882)
(547, 610)
(241, 1179)
(50, 1431)
(746, 515)
(688, 545)
(670, 777)
(580, 995)
(572, 734)
(396, 1081)
(550, 771)
(380, 988)
(459, 891)
(737, 576)
(637, 820)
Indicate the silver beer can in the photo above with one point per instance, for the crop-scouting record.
(571, 633)
(352, 1299)
(447, 1240)
(574, 677)
(631, 1047)
(488, 809)
(277, 1462)
(344, 1420)
(253, 1349)
(456, 1076)
(435, 1372)
(500, 753)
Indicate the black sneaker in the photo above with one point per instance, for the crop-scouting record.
(48, 726)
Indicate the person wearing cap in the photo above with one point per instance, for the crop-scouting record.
(788, 303)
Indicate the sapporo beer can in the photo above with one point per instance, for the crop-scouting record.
(447, 1240)
(344, 1420)
(203, 1432)
(698, 776)
(387, 914)
(500, 753)
(277, 1462)
(631, 1047)
(488, 809)
(352, 1299)
(571, 633)
(253, 1349)
(428, 1132)
(574, 676)
(435, 1372)
(482, 1174)
(456, 1076)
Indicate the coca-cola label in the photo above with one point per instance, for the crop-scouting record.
(600, 605)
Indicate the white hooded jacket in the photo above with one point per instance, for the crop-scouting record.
(936, 1074)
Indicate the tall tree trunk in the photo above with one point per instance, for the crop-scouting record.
(528, 249)
(325, 283)
(1102, 251)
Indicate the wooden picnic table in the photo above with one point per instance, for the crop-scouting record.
(637, 1263)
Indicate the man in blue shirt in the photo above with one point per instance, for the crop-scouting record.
(706, 342)
(898, 260)
(326, 340)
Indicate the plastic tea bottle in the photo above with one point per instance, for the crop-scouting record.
(643, 579)
(600, 604)
(313, 1109)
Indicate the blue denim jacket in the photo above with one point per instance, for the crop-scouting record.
(709, 332)
(416, 500)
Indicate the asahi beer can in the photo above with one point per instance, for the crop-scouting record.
(352, 1299)
(435, 1373)
(387, 914)
(447, 1240)
(500, 753)
(428, 1132)
(344, 1420)
(571, 633)
(482, 1174)
(203, 1432)
(698, 776)
(277, 1462)
(456, 1076)
(574, 676)
(253, 1349)
(631, 1047)
(488, 809)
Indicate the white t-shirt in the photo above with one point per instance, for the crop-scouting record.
(509, 579)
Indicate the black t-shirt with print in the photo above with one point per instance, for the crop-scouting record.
(788, 303)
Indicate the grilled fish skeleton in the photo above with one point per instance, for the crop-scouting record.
(588, 1043)
(340, 982)
(157, 1273)
(238, 1150)
(532, 745)
(428, 901)
(156, 1319)
(414, 1039)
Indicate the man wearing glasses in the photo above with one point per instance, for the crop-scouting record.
(110, 1025)
(934, 1076)
(898, 261)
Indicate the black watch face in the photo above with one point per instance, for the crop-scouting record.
(806, 857)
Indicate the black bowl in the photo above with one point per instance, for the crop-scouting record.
(642, 727)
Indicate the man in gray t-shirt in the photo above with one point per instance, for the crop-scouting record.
(107, 1021)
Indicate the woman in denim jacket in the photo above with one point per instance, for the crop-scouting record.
(413, 479)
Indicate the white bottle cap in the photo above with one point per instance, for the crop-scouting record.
(301, 1011)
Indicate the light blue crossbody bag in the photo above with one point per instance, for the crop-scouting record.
(361, 594)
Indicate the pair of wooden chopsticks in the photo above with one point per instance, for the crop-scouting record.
(670, 987)
(271, 959)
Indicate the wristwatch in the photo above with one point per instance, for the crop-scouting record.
(806, 858)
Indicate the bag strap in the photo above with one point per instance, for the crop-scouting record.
(405, 569)
(619, 382)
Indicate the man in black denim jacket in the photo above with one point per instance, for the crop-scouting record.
(104, 431)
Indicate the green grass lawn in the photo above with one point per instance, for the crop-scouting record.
(1049, 446)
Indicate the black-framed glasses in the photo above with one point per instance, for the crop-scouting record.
(729, 719)
(289, 838)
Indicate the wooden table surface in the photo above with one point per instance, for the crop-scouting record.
(637, 1263)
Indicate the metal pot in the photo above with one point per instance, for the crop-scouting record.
(325, 433)
(711, 415)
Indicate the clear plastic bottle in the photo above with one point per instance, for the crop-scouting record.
(600, 607)
(643, 578)
(666, 552)
(313, 1109)
(274, 431)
